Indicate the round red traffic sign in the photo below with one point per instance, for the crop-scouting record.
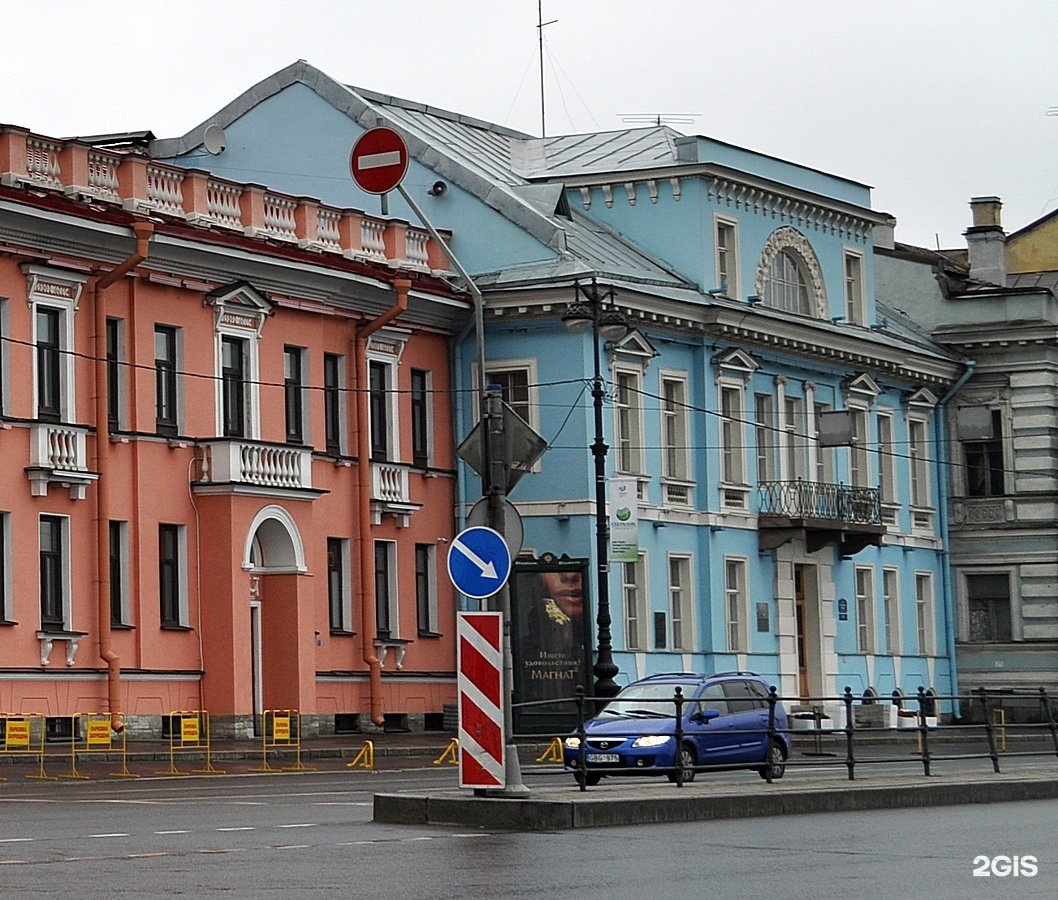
(379, 160)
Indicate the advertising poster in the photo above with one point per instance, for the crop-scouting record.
(624, 520)
(550, 641)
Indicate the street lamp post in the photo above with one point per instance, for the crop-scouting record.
(588, 313)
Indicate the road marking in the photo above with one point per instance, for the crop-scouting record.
(238, 828)
(178, 831)
(15, 840)
(146, 855)
(111, 834)
(299, 825)
(13, 862)
(290, 846)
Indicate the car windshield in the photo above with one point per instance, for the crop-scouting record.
(639, 701)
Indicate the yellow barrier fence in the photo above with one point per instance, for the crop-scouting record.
(97, 737)
(24, 736)
(281, 732)
(365, 759)
(450, 755)
(553, 753)
(189, 733)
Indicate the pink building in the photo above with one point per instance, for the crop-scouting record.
(227, 468)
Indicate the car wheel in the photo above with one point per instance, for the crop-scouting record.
(687, 763)
(589, 778)
(776, 765)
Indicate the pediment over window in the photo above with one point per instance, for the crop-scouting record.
(239, 305)
(634, 347)
(862, 387)
(735, 362)
(923, 398)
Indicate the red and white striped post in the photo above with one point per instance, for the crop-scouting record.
(482, 742)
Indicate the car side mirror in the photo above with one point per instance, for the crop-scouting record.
(705, 715)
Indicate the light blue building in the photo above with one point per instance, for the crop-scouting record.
(782, 430)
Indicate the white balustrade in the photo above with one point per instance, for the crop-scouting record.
(263, 465)
(327, 231)
(389, 483)
(222, 204)
(372, 238)
(279, 217)
(163, 190)
(42, 162)
(418, 251)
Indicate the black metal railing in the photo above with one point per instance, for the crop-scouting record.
(819, 500)
(982, 733)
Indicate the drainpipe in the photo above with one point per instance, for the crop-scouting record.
(942, 468)
(368, 620)
(143, 231)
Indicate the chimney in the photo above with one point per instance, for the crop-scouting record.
(986, 241)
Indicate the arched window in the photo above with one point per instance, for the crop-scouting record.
(786, 287)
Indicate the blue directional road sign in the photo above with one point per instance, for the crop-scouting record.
(479, 562)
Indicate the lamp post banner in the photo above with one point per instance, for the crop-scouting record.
(624, 520)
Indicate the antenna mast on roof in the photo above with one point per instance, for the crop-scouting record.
(540, 23)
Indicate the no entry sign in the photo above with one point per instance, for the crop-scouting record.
(379, 160)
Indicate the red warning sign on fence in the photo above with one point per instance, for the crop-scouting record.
(480, 682)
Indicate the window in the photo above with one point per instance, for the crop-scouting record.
(924, 612)
(53, 574)
(514, 387)
(49, 364)
(378, 400)
(988, 607)
(420, 418)
(6, 612)
(732, 468)
(4, 337)
(165, 382)
(385, 589)
(628, 422)
(426, 589)
(735, 608)
(676, 459)
(985, 475)
(855, 313)
(891, 610)
(796, 441)
(294, 393)
(333, 402)
(886, 459)
(634, 598)
(764, 428)
(864, 610)
(786, 286)
(119, 573)
(233, 386)
(859, 455)
(172, 576)
(339, 596)
(115, 334)
(727, 257)
(824, 455)
(680, 599)
(917, 449)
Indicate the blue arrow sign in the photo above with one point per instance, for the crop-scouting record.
(479, 562)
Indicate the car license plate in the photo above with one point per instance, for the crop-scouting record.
(603, 758)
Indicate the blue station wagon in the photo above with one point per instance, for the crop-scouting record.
(724, 719)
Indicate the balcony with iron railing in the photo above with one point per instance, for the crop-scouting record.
(136, 183)
(821, 514)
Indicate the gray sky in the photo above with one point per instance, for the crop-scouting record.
(929, 102)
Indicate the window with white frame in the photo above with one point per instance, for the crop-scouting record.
(988, 611)
(53, 302)
(680, 603)
(426, 590)
(789, 277)
(386, 617)
(886, 459)
(732, 430)
(864, 609)
(115, 350)
(924, 613)
(382, 398)
(918, 461)
(855, 308)
(891, 610)
(675, 428)
(859, 451)
(6, 610)
(421, 417)
(54, 549)
(516, 380)
(736, 610)
(633, 596)
(339, 586)
(628, 421)
(824, 456)
(240, 313)
(167, 403)
(727, 256)
(334, 403)
(795, 439)
(119, 573)
(765, 431)
(172, 575)
(295, 393)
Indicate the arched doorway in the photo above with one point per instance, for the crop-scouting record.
(274, 555)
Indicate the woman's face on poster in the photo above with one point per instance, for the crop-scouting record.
(566, 589)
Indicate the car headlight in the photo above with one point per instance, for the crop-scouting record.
(651, 740)
(573, 742)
